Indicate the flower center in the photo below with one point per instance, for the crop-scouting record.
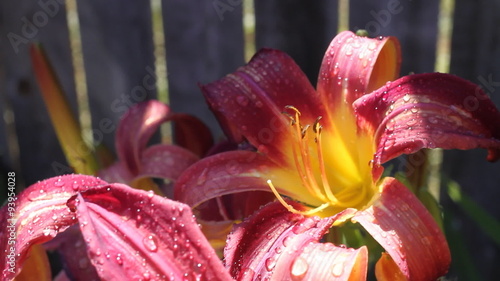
(337, 182)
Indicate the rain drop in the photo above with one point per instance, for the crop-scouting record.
(406, 98)
(75, 186)
(151, 194)
(242, 100)
(338, 269)
(299, 268)
(248, 273)
(151, 243)
(270, 263)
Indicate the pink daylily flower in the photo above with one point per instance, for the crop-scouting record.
(129, 234)
(137, 163)
(325, 148)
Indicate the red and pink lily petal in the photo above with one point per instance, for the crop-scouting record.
(129, 234)
(276, 244)
(138, 163)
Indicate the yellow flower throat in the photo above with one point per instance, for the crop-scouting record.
(337, 172)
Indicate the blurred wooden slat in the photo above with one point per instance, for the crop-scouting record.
(204, 42)
(414, 23)
(119, 60)
(476, 56)
(302, 29)
(24, 22)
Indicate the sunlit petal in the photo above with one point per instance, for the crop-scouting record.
(428, 111)
(406, 230)
(355, 65)
(250, 102)
(233, 172)
(276, 243)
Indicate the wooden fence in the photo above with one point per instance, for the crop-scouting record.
(205, 40)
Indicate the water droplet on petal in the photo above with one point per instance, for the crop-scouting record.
(406, 98)
(270, 263)
(75, 186)
(299, 268)
(151, 194)
(338, 269)
(151, 242)
(242, 100)
(248, 273)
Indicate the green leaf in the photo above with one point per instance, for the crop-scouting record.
(487, 223)
(462, 261)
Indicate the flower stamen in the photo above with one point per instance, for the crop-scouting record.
(290, 207)
(304, 167)
(324, 180)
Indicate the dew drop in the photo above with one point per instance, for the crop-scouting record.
(425, 241)
(270, 263)
(72, 204)
(242, 100)
(372, 46)
(119, 259)
(75, 186)
(432, 120)
(248, 273)
(299, 268)
(151, 242)
(151, 194)
(338, 269)
(48, 232)
(406, 98)
(287, 241)
(263, 149)
(58, 183)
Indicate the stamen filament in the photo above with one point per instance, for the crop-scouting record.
(291, 208)
(304, 170)
(305, 155)
(324, 180)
